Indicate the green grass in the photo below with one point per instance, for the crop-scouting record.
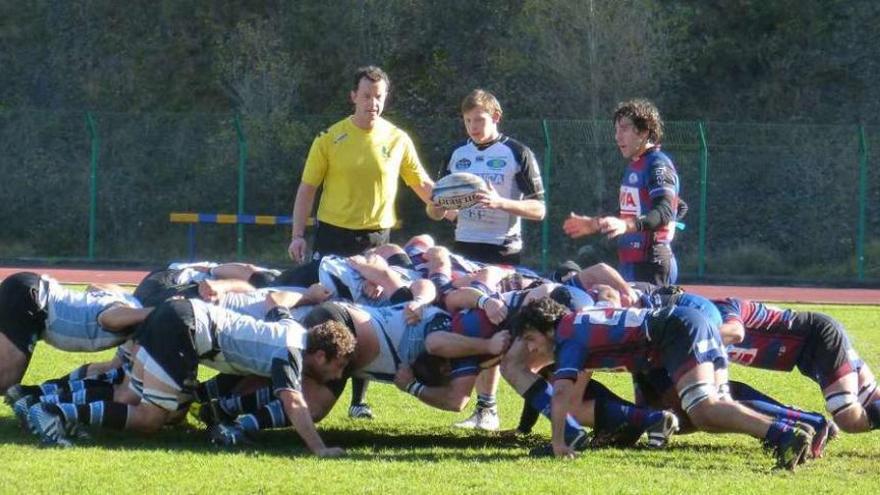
(410, 448)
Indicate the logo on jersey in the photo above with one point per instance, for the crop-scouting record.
(340, 138)
(495, 179)
(633, 178)
(462, 164)
(386, 152)
(479, 159)
(496, 163)
(741, 355)
(629, 200)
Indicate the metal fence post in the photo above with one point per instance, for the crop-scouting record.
(242, 165)
(704, 188)
(545, 224)
(863, 203)
(93, 181)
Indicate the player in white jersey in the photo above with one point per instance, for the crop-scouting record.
(34, 308)
(490, 232)
(180, 335)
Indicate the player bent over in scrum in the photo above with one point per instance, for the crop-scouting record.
(34, 308)
(764, 336)
(180, 335)
(677, 338)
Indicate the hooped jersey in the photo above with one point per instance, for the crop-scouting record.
(611, 339)
(238, 344)
(651, 176)
(72, 317)
(254, 303)
(512, 169)
(771, 341)
(334, 271)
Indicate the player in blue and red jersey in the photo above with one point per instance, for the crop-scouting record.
(649, 202)
(768, 337)
(678, 339)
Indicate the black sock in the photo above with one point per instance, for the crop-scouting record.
(527, 418)
(358, 391)
(106, 414)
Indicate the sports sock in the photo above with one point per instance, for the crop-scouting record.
(778, 432)
(269, 416)
(358, 391)
(235, 404)
(486, 401)
(111, 415)
(815, 420)
(743, 392)
(540, 396)
(613, 414)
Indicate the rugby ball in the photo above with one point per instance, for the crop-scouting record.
(458, 191)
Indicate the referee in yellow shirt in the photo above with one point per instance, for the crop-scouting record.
(357, 161)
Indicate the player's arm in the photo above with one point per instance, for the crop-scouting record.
(452, 397)
(452, 345)
(732, 332)
(563, 392)
(602, 273)
(297, 412)
(287, 383)
(662, 185)
(121, 317)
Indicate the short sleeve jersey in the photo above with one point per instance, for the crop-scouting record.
(238, 344)
(512, 169)
(359, 171)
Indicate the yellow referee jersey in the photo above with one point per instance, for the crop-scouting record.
(359, 170)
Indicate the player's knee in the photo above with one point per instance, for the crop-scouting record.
(697, 400)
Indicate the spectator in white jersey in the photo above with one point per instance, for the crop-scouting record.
(490, 232)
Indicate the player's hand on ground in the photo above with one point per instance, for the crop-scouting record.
(563, 451)
(412, 312)
(495, 310)
(612, 226)
(499, 342)
(317, 293)
(297, 249)
(579, 226)
(490, 198)
(329, 452)
(209, 292)
(404, 377)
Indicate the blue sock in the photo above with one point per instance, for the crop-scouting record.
(539, 396)
(778, 432)
(612, 415)
(816, 420)
(743, 392)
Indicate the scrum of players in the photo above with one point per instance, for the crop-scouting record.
(285, 343)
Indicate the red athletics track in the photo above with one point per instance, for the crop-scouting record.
(782, 294)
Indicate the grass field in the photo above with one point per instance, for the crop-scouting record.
(410, 448)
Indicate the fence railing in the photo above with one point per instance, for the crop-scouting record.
(766, 200)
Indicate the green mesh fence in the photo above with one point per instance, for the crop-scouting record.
(795, 202)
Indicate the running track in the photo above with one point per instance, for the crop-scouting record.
(781, 294)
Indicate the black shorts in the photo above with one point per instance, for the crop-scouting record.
(824, 357)
(330, 239)
(160, 285)
(167, 336)
(21, 319)
(487, 253)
